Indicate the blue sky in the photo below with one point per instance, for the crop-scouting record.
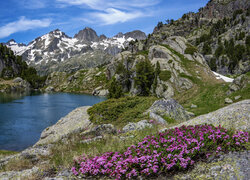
(24, 20)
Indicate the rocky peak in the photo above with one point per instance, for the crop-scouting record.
(87, 35)
(136, 35)
(119, 35)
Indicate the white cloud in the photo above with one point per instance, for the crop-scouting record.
(105, 4)
(32, 4)
(113, 11)
(113, 16)
(22, 24)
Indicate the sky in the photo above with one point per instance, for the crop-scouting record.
(25, 20)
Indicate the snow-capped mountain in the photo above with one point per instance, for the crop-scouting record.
(56, 47)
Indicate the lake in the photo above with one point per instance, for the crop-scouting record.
(24, 117)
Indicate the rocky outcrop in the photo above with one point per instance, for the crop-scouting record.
(234, 165)
(234, 116)
(239, 83)
(136, 126)
(74, 122)
(19, 174)
(165, 109)
(87, 35)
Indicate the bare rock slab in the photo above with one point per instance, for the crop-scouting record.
(75, 121)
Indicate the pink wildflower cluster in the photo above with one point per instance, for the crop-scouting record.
(175, 149)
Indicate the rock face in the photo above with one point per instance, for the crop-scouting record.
(235, 116)
(177, 67)
(220, 25)
(239, 83)
(87, 35)
(234, 165)
(75, 121)
(18, 174)
(168, 108)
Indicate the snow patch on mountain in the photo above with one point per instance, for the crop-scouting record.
(224, 78)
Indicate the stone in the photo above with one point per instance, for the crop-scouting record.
(169, 108)
(136, 126)
(103, 129)
(49, 89)
(24, 174)
(237, 97)
(193, 106)
(17, 80)
(234, 116)
(103, 92)
(228, 101)
(74, 122)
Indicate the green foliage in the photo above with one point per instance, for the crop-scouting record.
(169, 119)
(190, 50)
(120, 111)
(219, 51)
(144, 77)
(157, 73)
(236, 13)
(212, 64)
(165, 75)
(159, 25)
(206, 48)
(115, 90)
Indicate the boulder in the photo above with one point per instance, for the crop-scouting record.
(17, 80)
(239, 83)
(49, 89)
(168, 108)
(74, 122)
(228, 101)
(237, 97)
(101, 130)
(193, 106)
(235, 116)
(136, 126)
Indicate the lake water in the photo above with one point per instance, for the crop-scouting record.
(23, 118)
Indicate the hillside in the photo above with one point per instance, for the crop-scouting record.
(220, 31)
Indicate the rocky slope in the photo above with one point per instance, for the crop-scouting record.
(220, 31)
(55, 50)
(179, 70)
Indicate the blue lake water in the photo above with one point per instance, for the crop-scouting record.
(23, 118)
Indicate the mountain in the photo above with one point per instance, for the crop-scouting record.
(53, 50)
(220, 31)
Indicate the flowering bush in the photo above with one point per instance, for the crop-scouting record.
(175, 149)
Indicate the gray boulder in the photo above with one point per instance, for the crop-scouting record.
(239, 83)
(49, 89)
(136, 126)
(74, 122)
(17, 80)
(228, 101)
(168, 108)
(235, 116)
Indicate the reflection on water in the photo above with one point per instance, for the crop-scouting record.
(24, 116)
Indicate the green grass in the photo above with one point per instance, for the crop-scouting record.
(212, 97)
(120, 111)
(6, 153)
(165, 75)
(190, 49)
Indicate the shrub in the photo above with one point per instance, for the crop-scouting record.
(190, 50)
(144, 77)
(165, 75)
(168, 152)
(120, 111)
